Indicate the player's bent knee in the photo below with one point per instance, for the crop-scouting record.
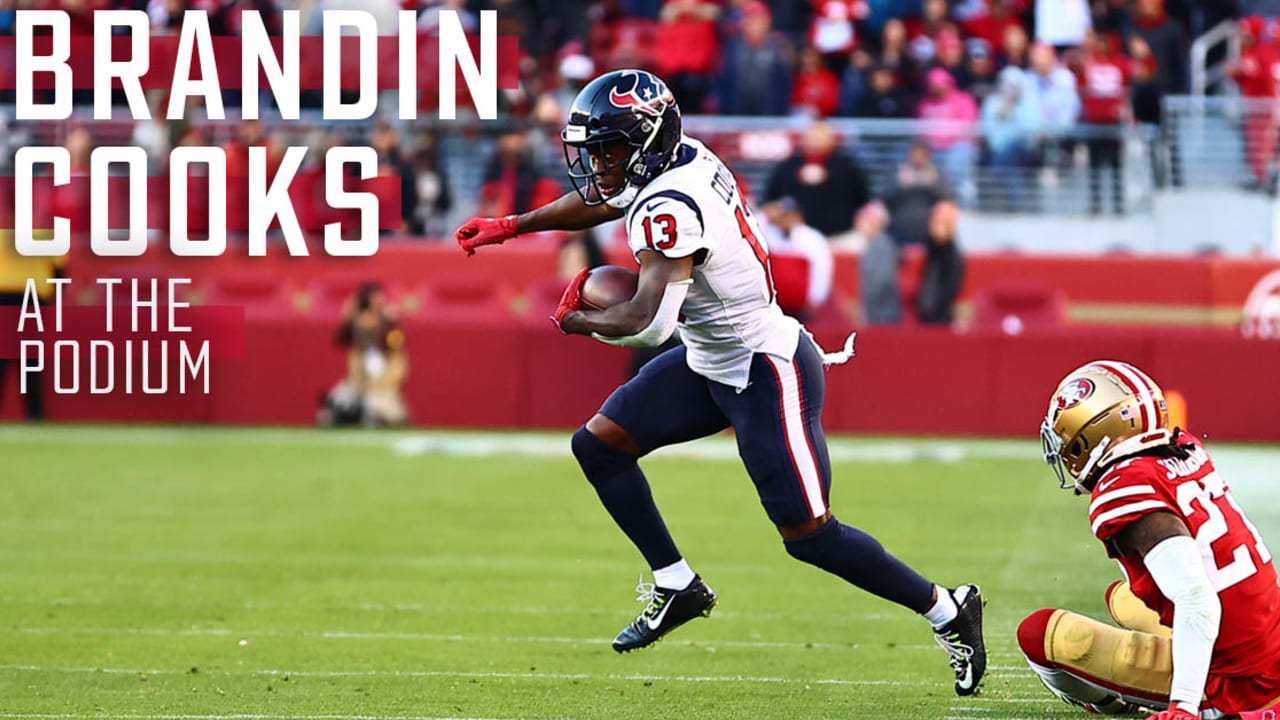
(612, 434)
(1033, 635)
(596, 457)
(799, 530)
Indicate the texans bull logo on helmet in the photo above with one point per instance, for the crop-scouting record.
(648, 95)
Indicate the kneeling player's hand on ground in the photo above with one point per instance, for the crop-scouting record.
(571, 300)
(485, 231)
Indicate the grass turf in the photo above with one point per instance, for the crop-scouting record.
(210, 573)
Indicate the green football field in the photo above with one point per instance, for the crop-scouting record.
(221, 574)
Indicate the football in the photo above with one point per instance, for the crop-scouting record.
(608, 285)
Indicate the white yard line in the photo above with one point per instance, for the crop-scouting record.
(485, 444)
(244, 634)
(610, 677)
(414, 607)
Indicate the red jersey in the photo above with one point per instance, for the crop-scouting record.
(1104, 89)
(1244, 672)
(1258, 74)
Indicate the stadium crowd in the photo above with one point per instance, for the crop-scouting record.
(997, 85)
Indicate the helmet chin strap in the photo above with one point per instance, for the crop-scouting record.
(623, 198)
(1094, 457)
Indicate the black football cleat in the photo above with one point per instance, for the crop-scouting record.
(666, 611)
(962, 639)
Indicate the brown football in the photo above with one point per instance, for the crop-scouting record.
(608, 285)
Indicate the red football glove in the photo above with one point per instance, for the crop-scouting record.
(485, 231)
(1174, 713)
(571, 300)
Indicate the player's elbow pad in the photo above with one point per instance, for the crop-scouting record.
(663, 323)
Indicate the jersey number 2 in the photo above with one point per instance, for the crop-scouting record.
(1213, 499)
(668, 223)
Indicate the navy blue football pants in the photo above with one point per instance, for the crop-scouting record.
(777, 418)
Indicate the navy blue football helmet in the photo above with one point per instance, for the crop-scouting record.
(633, 108)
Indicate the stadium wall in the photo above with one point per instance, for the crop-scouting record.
(496, 362)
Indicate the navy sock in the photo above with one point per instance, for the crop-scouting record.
(860, 559)
(623, 489)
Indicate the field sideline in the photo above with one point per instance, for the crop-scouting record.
(271, 574)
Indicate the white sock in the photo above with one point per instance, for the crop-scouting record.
(676, 576)
(944, 610)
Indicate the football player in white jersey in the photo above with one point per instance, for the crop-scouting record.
(704, 267)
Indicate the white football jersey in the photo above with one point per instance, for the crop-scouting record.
(694, 208)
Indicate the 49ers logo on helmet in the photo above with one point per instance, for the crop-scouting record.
(1075, 393)
(647, 94)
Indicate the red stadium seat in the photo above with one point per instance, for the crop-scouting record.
(1017, 308)
(260, 292)
(541, 298)
(475, 297)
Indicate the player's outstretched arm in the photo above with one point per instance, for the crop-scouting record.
(1171, 555)
(568, 212)
(649, 317)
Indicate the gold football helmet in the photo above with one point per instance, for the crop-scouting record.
(1100, 413)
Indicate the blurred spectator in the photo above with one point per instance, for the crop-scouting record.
(855, 82)
(1014, 48)
(1010, 119)
(1258, 76)
(1168, 42)
(434, 199)
(878, 268)
(817, 89)
(227, 17)
(8, 17)
(992, 25)
(942, 275)
(826, 183)
(1062, 23)
(690, 45)
(385, 140)
(1145, 82)
(894, 53)
(15, 271)
(788, 235)
(950, 115)
(791, 18)
(1166, 164)
(1104, 96)
(981, 68)
(755, 76)
(579, 249)
(924, 33)
(950, 57)
(885, 98)
(1052, 88)
(377, 365)
(919, 187)
(512, 182)
(429, 18)
(575, 72)
(833, 34)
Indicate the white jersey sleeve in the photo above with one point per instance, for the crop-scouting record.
(669, 222)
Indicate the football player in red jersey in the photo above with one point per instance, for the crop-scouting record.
(1199, 615)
